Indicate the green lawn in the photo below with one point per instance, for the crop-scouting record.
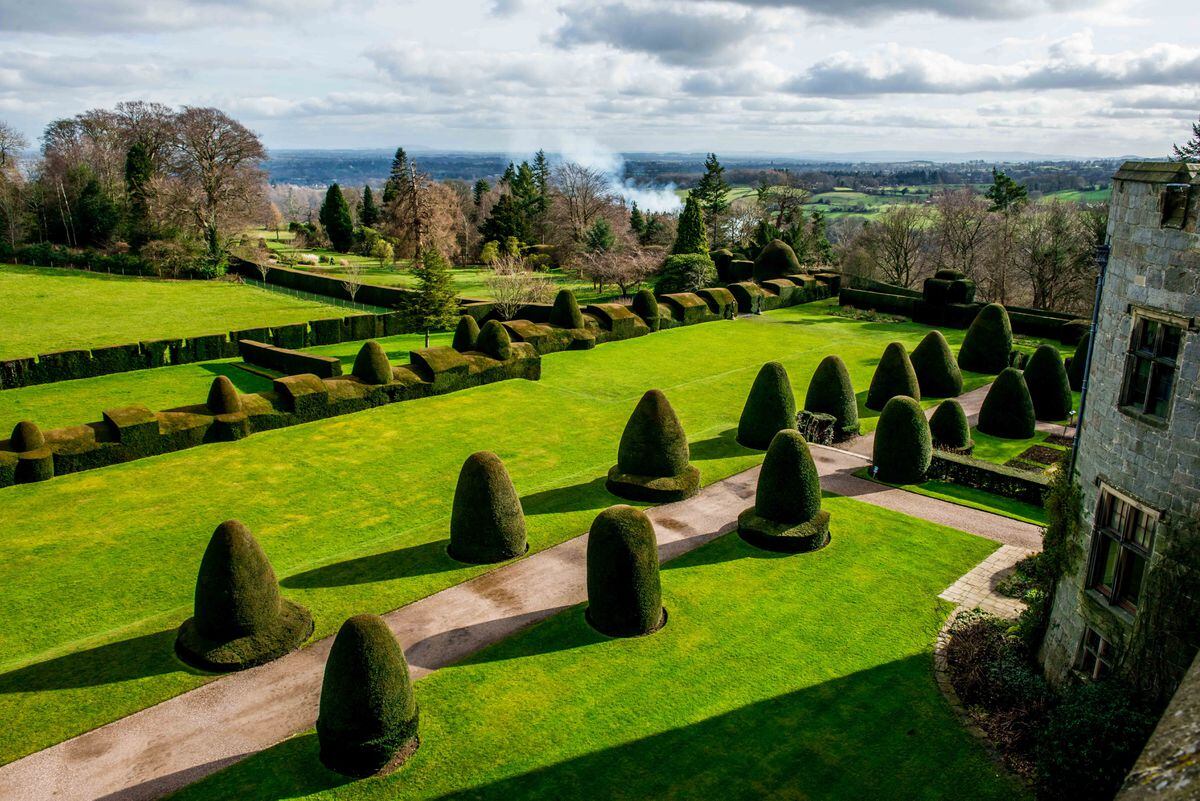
(804, 676)
(1000, 450)
(970, 497)
(44, 309)
(98, 567)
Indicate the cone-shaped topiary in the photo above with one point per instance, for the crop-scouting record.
(371, 365)
(624, 593)
(223, 397)
(1079, 363)
(949, 428)
(367, 723)
(787, 514)
(937, 370)
(565, 312)
(26, 436)
(1049, 387)
(903, 446)
(769, 409)
(830, 392)
(240, 619)
(494, 341)
(487, 523)
(986, 346)
(1007, 409)
(653, 460)
(645, 305)
(776, 260)
(465, 334)
(894, 375)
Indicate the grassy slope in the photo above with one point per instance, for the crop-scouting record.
(970, 497)
(44, 309)
(791, 677)
(353, 511)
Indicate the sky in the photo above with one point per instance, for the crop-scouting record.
(808, 77)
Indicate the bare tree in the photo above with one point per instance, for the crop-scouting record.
(514, 286)
(12, 184)
(1054, 254)
(627, 268)
(961, 228)
(352, 278)
(896, 243)
(583, 194)
(783, 202)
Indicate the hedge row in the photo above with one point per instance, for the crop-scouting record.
(287, 361)
(997, 479)
(47, 255)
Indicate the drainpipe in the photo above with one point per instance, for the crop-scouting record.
(1101, 261)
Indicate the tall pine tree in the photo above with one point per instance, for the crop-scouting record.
(335, 217)
(690, 237)
(1189, 150)
(433, 305)
(368, 215)
(712, 192)
(397, 177)
(637, 223)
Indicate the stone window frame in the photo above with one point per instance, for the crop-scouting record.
(1155, 361)
(1096, 656)
(1176, 204)
(1128, 541)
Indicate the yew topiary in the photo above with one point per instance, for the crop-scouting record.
(787, 514)
(1007, 409)
(903, 447)
(988, 342)
(494, 341)
(371, 365)
(653, 459)
(565, 312)
(949, 428)
(487, 523)
(26, 436)
(465, 334)
(624, 592)
(645, 305)
(1049, 387)
(769, 409)
(894, 375)
(776, 260)
(223, 397)
(936, 368)
(1078, 363)
(830, 392)
(368, 718)
(240, 620)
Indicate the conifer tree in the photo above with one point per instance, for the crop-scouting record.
(637, 223)
(433, 305)
(397, 178)
(335, 217)
(139, 169)
(712, 192)
(1189, 150)
(368, 215)
(690, 236)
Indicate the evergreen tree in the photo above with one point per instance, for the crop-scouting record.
(139, 169)
(1005, 193)
(637, 223)
(507, 219)
(690, 236)
(712, 192)
(478, 192)
(396, 177)
(541, 181)
(510, 175)
(820, 250)
(599, 238)
(335, 216)
(96, 215)
(1190, 150)
(433, 305)
(368, 215)
(652, 230)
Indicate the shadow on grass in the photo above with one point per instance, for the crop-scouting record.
(462, 643)
(721, 446)
(126, 660)
(572, 498)
(412, 560)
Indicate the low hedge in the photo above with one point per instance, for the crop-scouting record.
(1008, 482)
(877, 301)
(288, 362)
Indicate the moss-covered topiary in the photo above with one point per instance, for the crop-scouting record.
(565, 312)
(936, 368)
(1078, 363)
(240, 619)
(1007, 409)
(722, 259)
(776, 260)
(624, 593)
(367, 723)
(949, 428)
(894, 375)
(903, 446)
(645, 305)
(769, 409)
(1049, 387)
(787, 514)
(26, 436)
(653, 459)
(466, 333)
(371, 365)
(494, 341)
(487, 523)
(223, 397)
(986, 346)
(830, 392)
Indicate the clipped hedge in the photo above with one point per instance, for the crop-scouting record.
(566, 313)
(949, 428)
(1048, 384)
(623, 586)
(986, 346)
(878, 301)
(466, 334)
(487, 523)
(770, 407)
(1077, 364)
(776, 260)
(787, 514)
(903, 445)
(997, 479)
(894, 375)
(494, 341)
(288, 362)
(830, 392)
(223, 397)
(936, 368)
(653, 459)
(371, 365)
(1007, 409)
(645, 305)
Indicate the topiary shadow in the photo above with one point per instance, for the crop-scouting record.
(581, 497)
(423, 559)
(425, 653)
(112, 663)
(721, 446)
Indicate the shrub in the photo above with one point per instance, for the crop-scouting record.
(1078, 363)
(988, 341)
(949, 427)
(565, 312)
(894, 375)
(776, 260)
(223, 397)
(26, 436)
(723, 259)
(645, 305)
(466, 333)
(830, 392)
(691, 237)
(624, 593)
(936, 368)
(685, 272)
(240, 619)
(653, 459)
(486, 523)
(769, 409)
(903, 447)
(787, 514)
(494, 341)
(371, 365)
(1049, 387)
(1007, 410)
(368, 716)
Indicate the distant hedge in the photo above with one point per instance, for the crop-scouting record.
(903, 445)
(988, 342)
(487, 523)
(770, 407)
(623, 586)
(1007, 409)
(894, 375)
(830, 392)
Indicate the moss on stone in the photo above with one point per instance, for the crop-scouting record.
(624, 592)
(894, 375)
(769, 409)
(487, 523)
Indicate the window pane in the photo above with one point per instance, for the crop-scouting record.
(1169, 349)
(1160, 390)
(1106, 564)
(1143, 531)
(1138, 381)
(1146, 335)
(1133, 568)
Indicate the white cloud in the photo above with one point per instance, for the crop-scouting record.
(123, 16)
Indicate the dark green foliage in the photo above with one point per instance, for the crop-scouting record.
(494, 341)
(988, 341)
(223, 397)
(1049, 387)
(507, 218)
(487, 523)
(96, 215)
(690, 236)
(645, 305)
(465, 334)
(776, 260)
(685, 273)
(1078, 363)
(1007, 410)
(637, 222)
(937, 371)
(600, 238)
(653, 459)
(26, 436)
(722, 260)
(335, 217)
(894, 375)
(368, 213)
(397, 177)
(368, 715)
(371, 365)
(712, 190)
(240, 618)
(769, 409)
(565, 312)
(1005, 193)
(903, 446)
(139, 171)
(433, 303)
(789, 488)
(830, 392)
(624, 593)
(949, 427)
